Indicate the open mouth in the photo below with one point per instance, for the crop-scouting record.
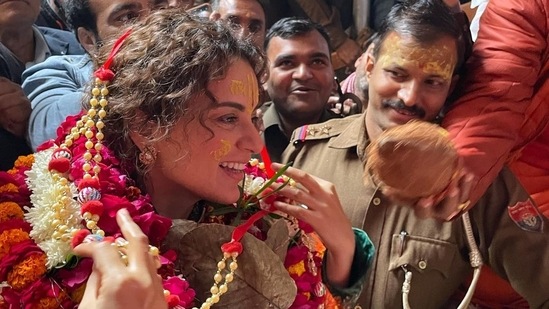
(235, 170)
(233, 165)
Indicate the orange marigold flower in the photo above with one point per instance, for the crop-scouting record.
(330, 302)
(10, 210)
(9, 188)
(50, 302)
(9, 238)
(27, 271)
(24, 161)
(297, 269)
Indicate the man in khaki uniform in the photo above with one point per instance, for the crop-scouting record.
(410, 76)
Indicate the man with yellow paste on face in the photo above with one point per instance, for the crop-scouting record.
(411, 70)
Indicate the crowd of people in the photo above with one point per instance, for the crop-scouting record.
(167, 101)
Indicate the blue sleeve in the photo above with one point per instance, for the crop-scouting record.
(364, 253)
(55, 88)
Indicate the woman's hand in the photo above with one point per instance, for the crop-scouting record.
(112, 284)
(319, 206)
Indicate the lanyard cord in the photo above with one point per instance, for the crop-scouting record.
(475, 259)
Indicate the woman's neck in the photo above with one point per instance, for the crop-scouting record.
(174, 203)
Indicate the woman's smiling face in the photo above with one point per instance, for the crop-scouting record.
(204, 159)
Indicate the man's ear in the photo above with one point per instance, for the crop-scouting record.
(369, 63)
(335, 86)
(88, 40)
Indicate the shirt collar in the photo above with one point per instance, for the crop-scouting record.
(41, 49)
(271, 118)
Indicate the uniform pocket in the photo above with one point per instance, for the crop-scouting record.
(423, 254)
(437, 270)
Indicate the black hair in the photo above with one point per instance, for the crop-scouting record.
(79, 14)
(290, 27)
(424, 20)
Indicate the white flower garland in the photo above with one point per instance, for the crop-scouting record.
(55, 211)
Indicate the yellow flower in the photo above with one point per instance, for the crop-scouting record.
(27, 271)
(9, 188)
(9, 238)
(297, 269)
(10, 210)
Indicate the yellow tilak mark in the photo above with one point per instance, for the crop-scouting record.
(247, 89)
(432, 60)
(222, 151)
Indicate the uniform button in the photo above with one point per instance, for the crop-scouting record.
(376, 201)
(422, 264)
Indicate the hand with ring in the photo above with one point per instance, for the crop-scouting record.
(115, 283)
(316, 202)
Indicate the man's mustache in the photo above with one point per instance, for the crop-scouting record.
(399, 105)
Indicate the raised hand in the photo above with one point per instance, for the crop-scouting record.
(114, 285)
(317, 203)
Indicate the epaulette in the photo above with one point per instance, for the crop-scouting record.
(319, 131)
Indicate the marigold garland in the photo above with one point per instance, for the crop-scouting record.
(29, 270)
(9, 238)
(10, 210)
(9, 188)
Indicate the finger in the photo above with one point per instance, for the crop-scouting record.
(138, 242)
(449, 207)
(466, 184)
(105, 257)
(310, 182)
(92, 290)
(295, 211)
(295, 194)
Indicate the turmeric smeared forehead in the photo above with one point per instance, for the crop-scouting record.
(247, 88)
(438, 58)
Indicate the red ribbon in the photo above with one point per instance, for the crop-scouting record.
(104, 72)
(234, 245)
(267, 161)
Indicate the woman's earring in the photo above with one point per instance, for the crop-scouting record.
(148, 155)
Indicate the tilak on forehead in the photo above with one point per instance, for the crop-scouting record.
(436, 59)
(247, 88)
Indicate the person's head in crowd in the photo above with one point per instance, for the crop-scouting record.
(245, 17)
(96, 21)
(411, 68)
(182, 96)
(17, 17)
(301, 77)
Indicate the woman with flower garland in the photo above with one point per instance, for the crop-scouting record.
(169, 124)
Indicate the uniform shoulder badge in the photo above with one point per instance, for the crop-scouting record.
(526, 216)
(319, 131)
